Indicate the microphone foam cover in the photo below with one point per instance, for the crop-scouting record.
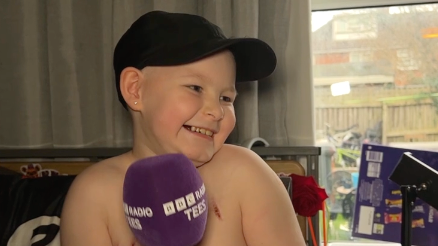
(164, 201)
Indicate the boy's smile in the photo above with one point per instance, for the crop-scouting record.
(200, 131)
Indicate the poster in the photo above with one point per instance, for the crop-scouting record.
(378, 207)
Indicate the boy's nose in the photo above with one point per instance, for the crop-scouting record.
(214, 110)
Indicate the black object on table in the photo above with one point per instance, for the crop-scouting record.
(416, 180)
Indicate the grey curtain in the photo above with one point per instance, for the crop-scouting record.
(57, 84)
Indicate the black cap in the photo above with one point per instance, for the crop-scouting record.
(160, 38)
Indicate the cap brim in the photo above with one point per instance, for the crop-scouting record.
(254, 58)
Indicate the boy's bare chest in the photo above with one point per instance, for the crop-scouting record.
(224, 226)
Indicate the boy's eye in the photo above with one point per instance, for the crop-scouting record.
(226, 99)
(196, 88)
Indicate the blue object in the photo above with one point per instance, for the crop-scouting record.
(355, 178)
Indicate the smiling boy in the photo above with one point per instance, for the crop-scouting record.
(176, 75)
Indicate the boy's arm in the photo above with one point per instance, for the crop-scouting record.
(267, 212)
(83, 216)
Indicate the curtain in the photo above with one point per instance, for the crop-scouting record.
(57, 85)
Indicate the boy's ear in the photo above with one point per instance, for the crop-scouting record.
(130, 81)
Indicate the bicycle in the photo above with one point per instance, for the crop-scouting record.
(348, 145)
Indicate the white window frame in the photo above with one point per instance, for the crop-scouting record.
(343, 4)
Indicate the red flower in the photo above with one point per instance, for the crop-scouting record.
(307, 196)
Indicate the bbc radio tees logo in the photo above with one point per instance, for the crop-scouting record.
(187, 204)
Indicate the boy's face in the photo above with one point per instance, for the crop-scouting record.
(188, 109)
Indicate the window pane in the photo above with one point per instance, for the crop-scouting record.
(375, 81)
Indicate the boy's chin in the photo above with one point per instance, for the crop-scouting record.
(199, 159)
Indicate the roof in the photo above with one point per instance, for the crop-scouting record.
(388, 30)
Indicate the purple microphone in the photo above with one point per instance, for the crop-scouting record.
(164, 201)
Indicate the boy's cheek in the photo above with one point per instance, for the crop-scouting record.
(227, 127)
(229, 120)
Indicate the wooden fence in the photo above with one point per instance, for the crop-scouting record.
(407, 116)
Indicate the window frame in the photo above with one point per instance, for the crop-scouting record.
(320, 5)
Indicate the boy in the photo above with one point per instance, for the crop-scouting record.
(176, 75)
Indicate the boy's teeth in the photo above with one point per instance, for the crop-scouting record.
(201, 130)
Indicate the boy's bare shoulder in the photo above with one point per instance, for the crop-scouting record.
(101, 175)
(259, 190)
(242, 159)
(89, 202)
(239, 164)
(93, 183)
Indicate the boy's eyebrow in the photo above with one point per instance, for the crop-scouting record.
(232, 89)
(202, 77)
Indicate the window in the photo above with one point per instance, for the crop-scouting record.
(406, 60)
(361, 56)
(354, 25)
(383, 62)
